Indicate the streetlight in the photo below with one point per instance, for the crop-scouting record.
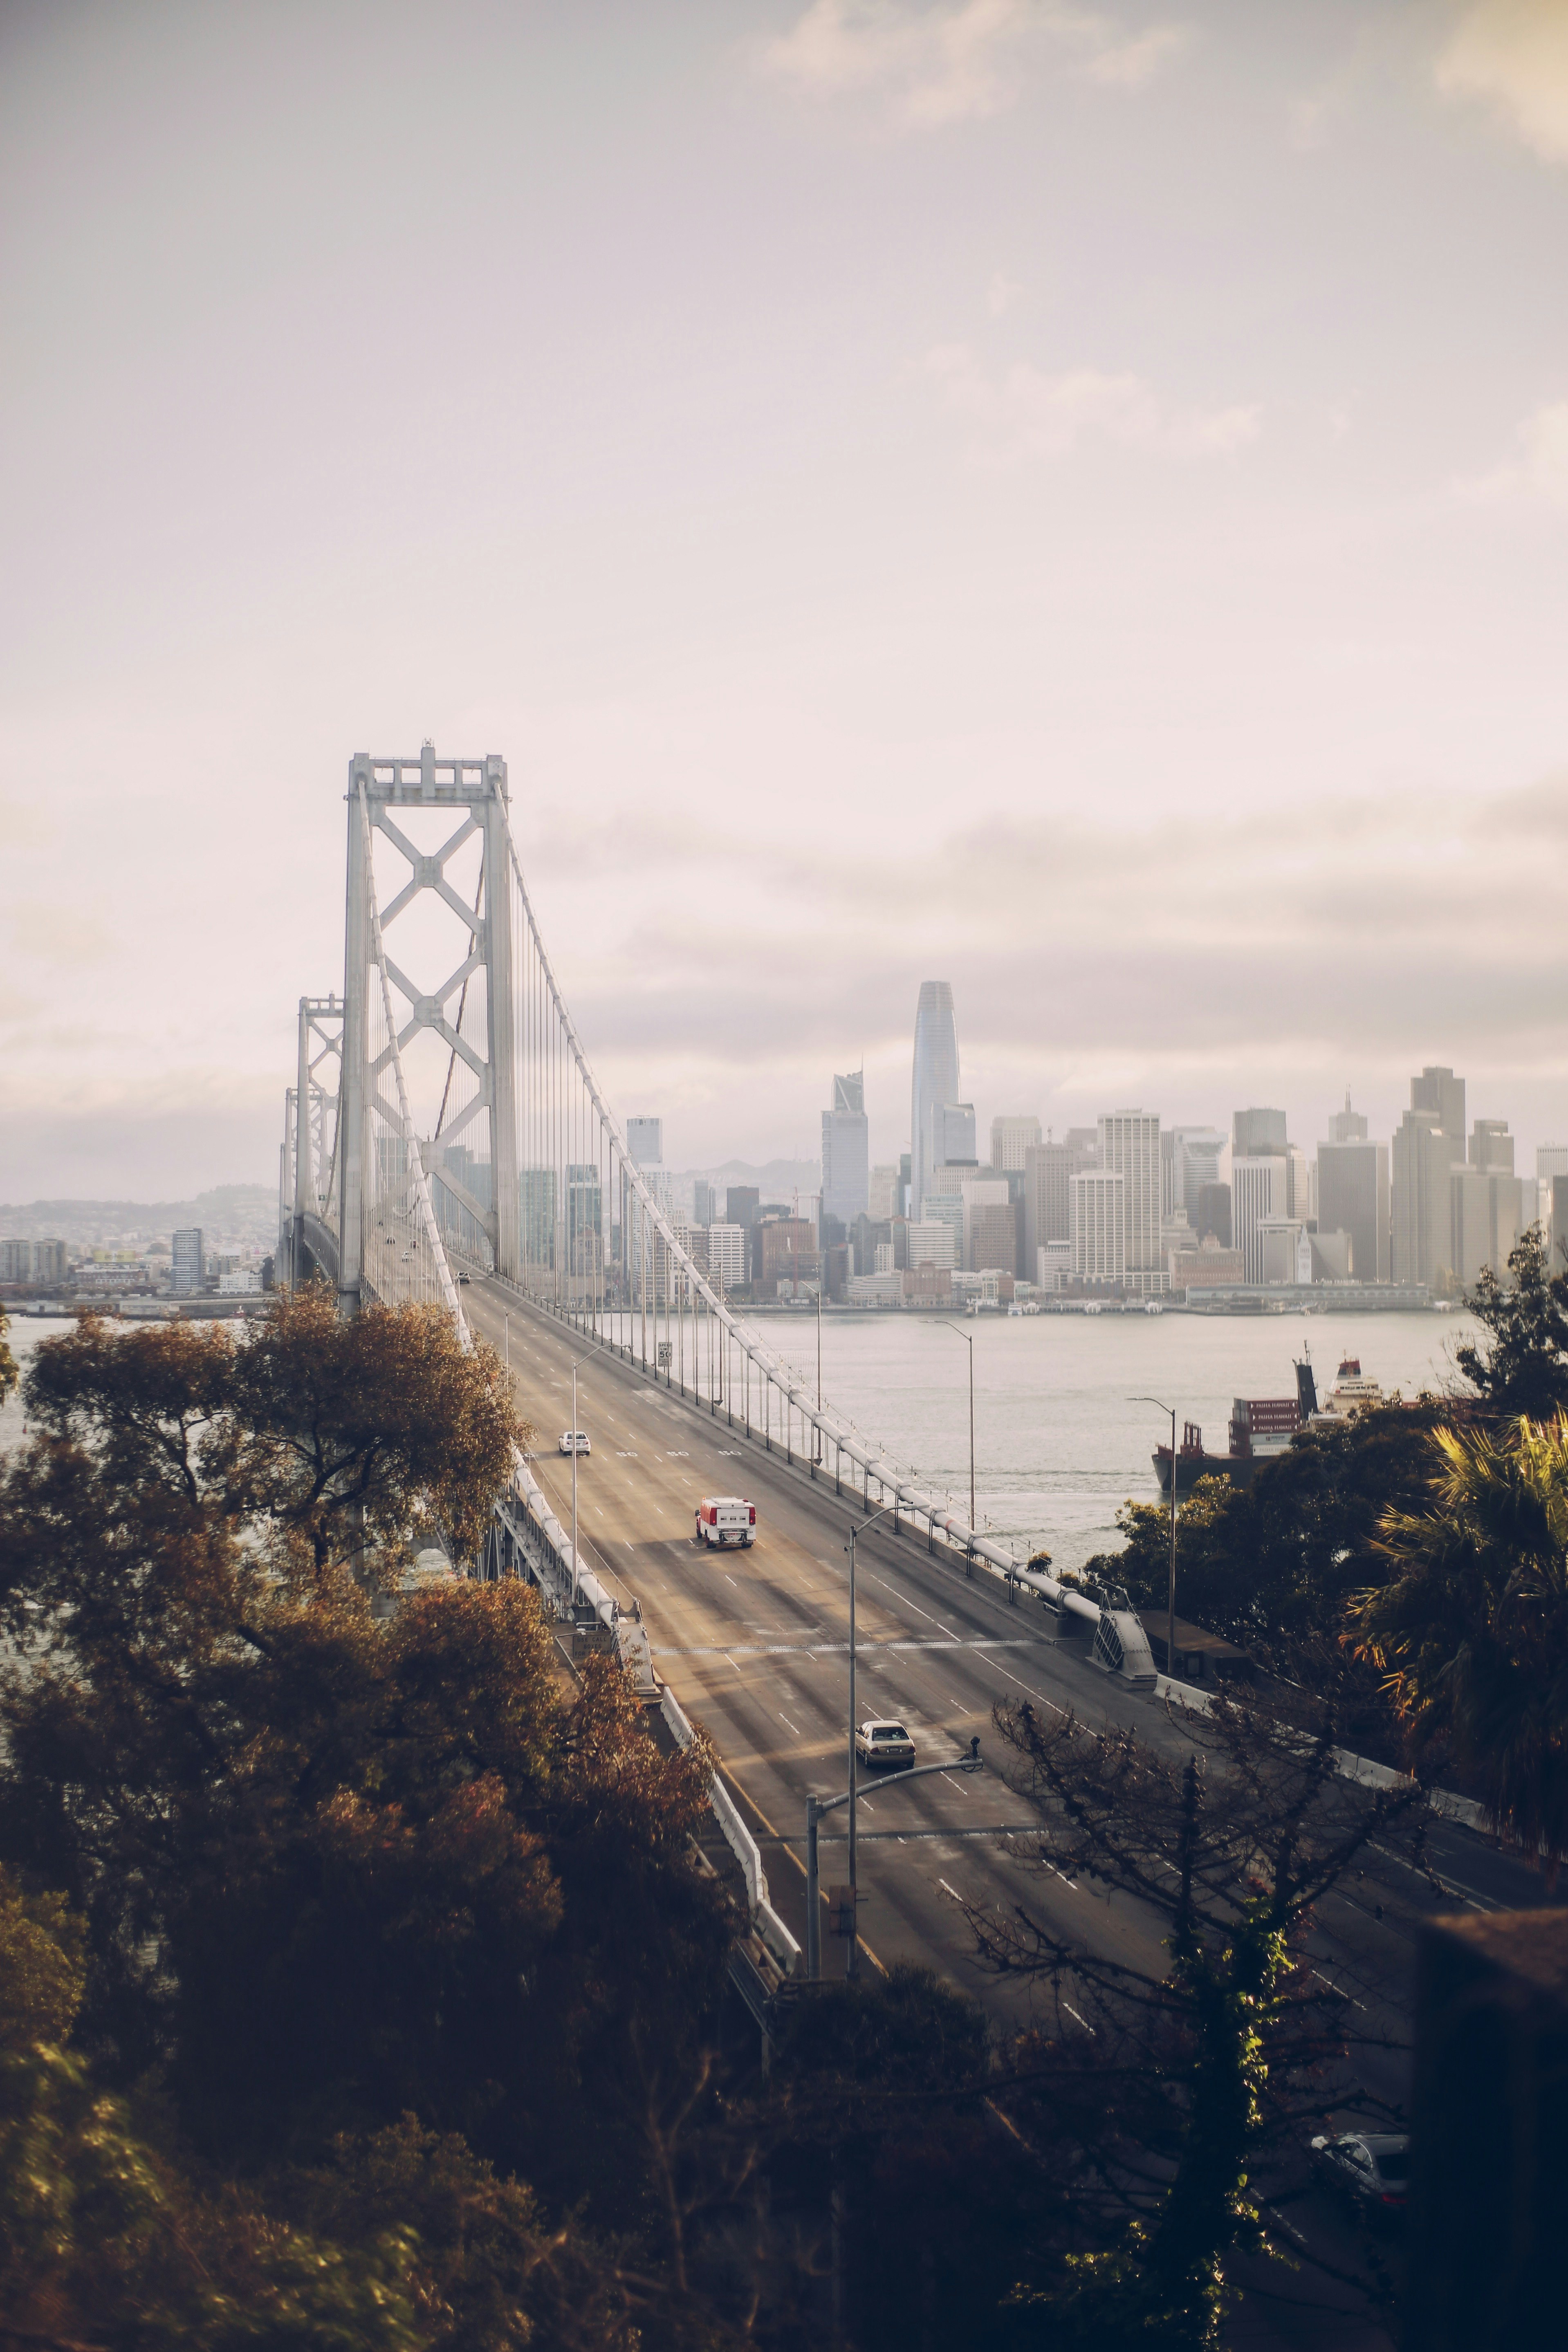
(575, 1363)
(968, 1339)
(852, 1966)
(1171, 1607)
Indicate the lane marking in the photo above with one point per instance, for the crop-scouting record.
(1033, 1693)
(1082, 2021)
(915, 1606)
(792, 1726)
(952, 1891)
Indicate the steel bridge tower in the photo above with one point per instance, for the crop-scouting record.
(475, 790)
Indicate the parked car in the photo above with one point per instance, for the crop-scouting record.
(724, 1519)
(884, 1742)
(575, 1441)
(1372, 2168)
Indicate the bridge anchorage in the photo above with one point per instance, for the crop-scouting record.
(469, 1136)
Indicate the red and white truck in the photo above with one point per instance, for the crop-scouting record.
(723, 1519)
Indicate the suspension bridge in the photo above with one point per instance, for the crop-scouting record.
(445, 1141)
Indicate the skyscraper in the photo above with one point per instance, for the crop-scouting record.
(645, 1142)
(1129, 1147)
(1012, 1136)
(1256, 1134)
(844, 1151)
(1352, 1192)
(934, 1078)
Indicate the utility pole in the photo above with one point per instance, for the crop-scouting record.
(1171, 1597)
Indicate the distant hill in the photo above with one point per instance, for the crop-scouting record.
(775, 1178)
(245, 1212)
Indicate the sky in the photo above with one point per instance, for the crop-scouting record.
(1069, 500)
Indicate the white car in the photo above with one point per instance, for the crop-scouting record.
(575, 1441)
(884, 1742)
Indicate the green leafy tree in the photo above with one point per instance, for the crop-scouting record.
(1521, 1365)
(1179, 2083)
(1470, 1623)
(8, 1360)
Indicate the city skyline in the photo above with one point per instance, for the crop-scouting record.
(1043, 527)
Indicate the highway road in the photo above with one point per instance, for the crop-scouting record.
(754, 1645)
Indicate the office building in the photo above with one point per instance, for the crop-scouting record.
(884, 1191)
(1047, 1169)
(704, 1202)
(845, 1154)
(1438, 1090)
(1556, 1221)
(1129, 1147)
(742, 1203)
(645, 1142)
(1098, 1218)
(1285, 1249)
(789, 1250)
(1257, 1134)
(1353, 1194)
(950, 1138)
(727, 1255)
(186, 1270)
(932, 1242)
(1491, 1146)
(989, 1226)
(1208, 1268)
(1212, 1222)
(884, 1258)
(585, 1218)
(29, 1261)
(1190, 1158)
(1257, 1196)
(1487, 1213)
(1012, 1137)
(934, 1078)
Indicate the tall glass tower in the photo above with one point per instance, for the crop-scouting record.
(935, 1078)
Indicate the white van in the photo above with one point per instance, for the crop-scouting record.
(724, 1519)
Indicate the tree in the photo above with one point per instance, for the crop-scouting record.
(331, 1869)
(1471, 1626)
(1272, 1566)
(1178, 2081)
(322, 1436)
(8, 1360)
(1521, 1365)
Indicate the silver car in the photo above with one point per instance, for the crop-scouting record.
(1372, 2168)
(575, 1441)
(884, 1742)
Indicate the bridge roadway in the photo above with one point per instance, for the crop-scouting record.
(754, 1645)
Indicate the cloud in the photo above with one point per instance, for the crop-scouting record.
(1538, 474)
(1024, 414)
(1512, 55)
(62, 935)
(955, 60)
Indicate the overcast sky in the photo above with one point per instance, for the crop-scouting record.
(1071, 501)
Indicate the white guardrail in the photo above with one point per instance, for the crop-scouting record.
(779, 1943)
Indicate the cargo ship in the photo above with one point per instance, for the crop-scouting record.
(1260, 1429)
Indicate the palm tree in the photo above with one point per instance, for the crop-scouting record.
(1471, 1629)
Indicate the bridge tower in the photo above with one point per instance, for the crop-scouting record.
(475, 792)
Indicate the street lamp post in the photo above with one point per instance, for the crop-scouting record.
(968, 1339)
(852, 1966)
(574, 1490)
(1171, 1602)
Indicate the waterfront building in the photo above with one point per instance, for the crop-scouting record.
(1053, 1264)
(1352, 1192)
(1488, 1211)
(845, 1154)
(1257, 1195)
(1098, 1203)
(1207, 1267)
(1129, 1147)
(934, 1078)
(187, 1271)
(990, 1225)
(932, 1242)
